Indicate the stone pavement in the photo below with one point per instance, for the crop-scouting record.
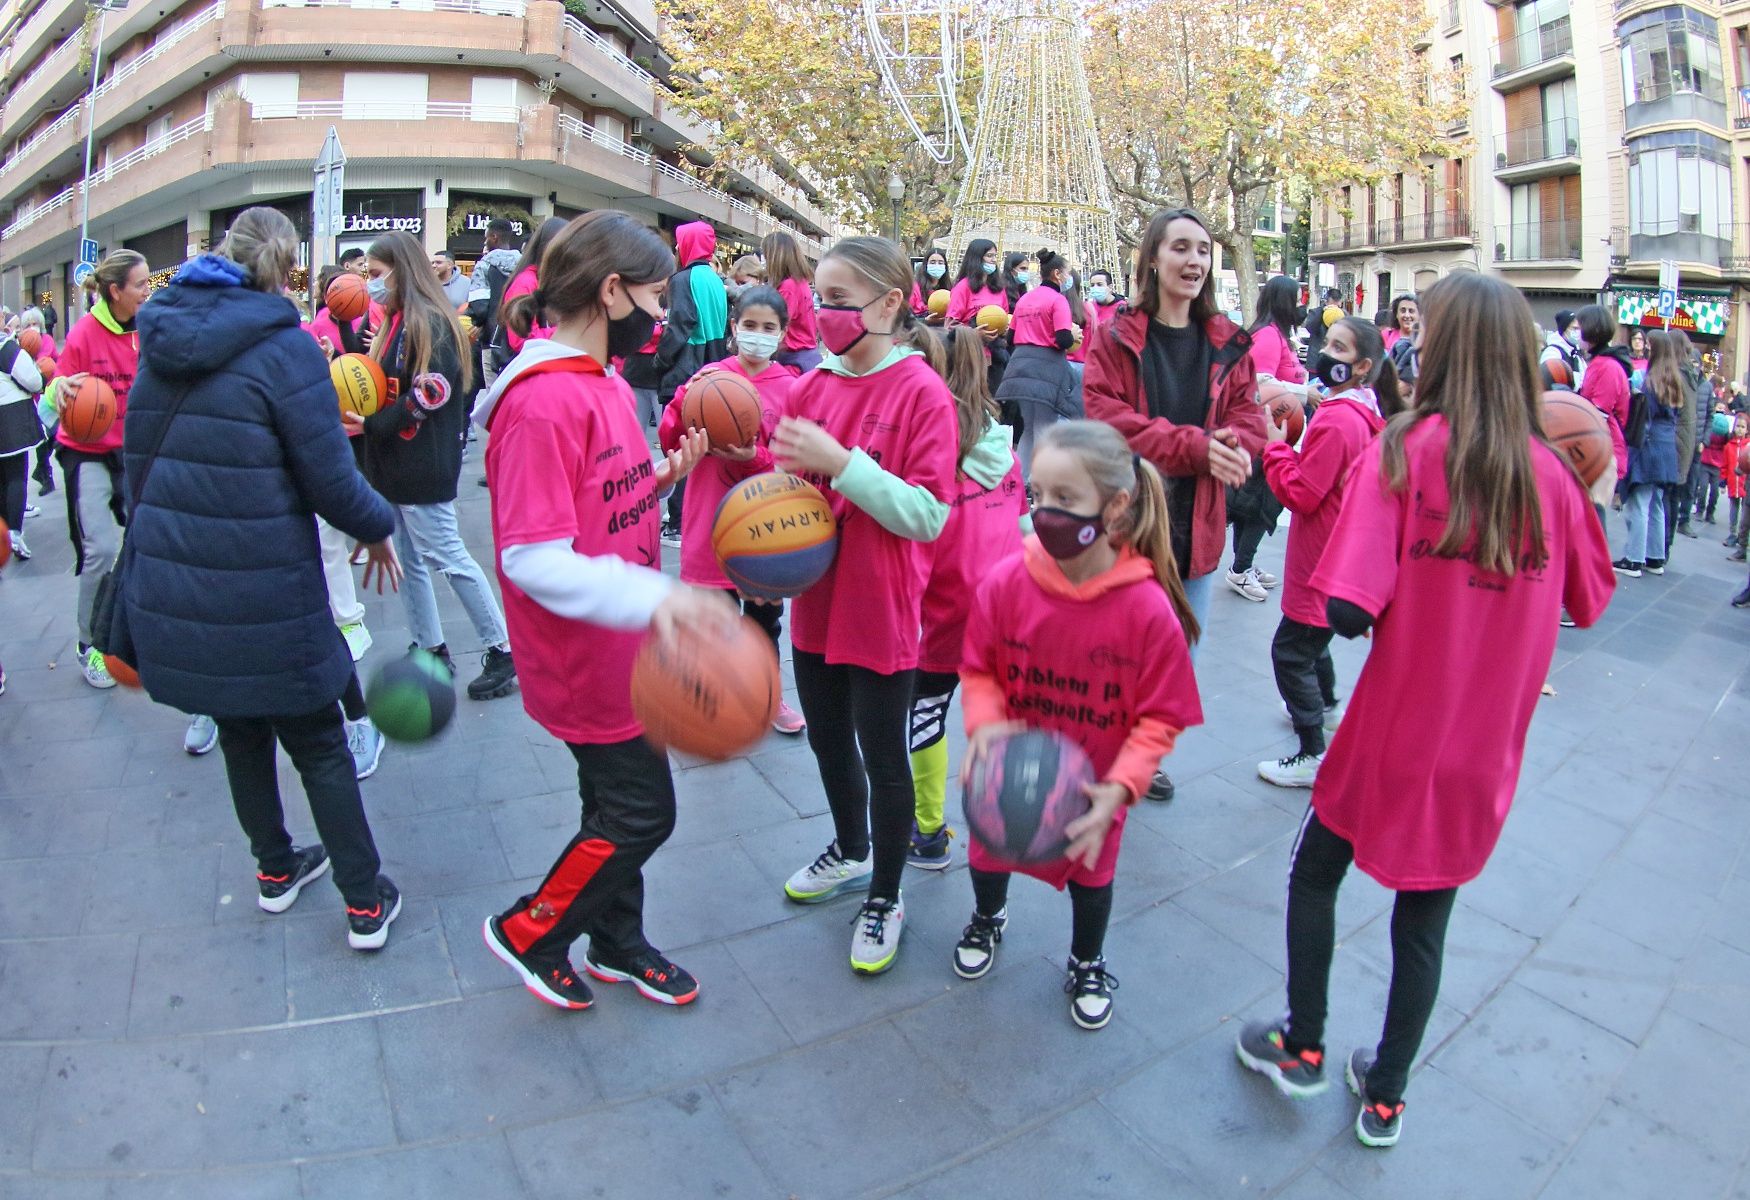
(162, 1037)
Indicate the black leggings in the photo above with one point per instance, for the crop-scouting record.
(1418, 945)
(1090, 910)
(857, 725)
(1248, 535)
(1306, 678)
(14, 473)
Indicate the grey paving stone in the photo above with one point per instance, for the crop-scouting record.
(325, 977)
(1250, 902)
(532, 830)
(791, 769)
(1600, 975)
(1598, 786)
(1156, 954)
(701, 893)
(1697, 858)
(465, 1170)
(872, 1082)
(722, 800)
(1219, 824)
(42, 897)
(255, 1183)
(131, 891)
(51, 1187)
(22, 1068)
(1623, 1153)
(444, 852)
(1705, 805)
(39, 826)
(1083, 1152)
(66, 987)
(1650, 909)
(1480, 954)
(115, 1106)
(684, 1135)
(205, 980)
(1151, 868)
(463, 1069)
(1731, 920)
(1522, 891)
(1537, 1060)
(1713, 989)
(1560, 832)
(1681, 1062)
(1314, 1185)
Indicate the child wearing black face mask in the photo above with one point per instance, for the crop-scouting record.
(1095, 604)
(1362, 392)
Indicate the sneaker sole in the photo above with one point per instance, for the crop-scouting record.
(1361, 1134)
(1082, 1022)
(838, 889)
(102, 685)
(1268, 1070)
(377, 940)
(370, 768)
(279, 904)
(1297, 783)
(503, 689)
(197, 751)
(530, 980)
(877, 968)
(963, 973)
(1242, 592)
(930, 864)
(609, 975)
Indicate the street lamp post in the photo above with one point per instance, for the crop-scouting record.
(103, 8)
(895, 193)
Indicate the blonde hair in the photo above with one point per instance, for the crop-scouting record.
(1145, 527)
(751, 266)
(264, 243)
(885, 265)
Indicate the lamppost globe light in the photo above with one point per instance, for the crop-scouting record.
(895, 187)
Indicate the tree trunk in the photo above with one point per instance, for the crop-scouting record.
(1245, 269)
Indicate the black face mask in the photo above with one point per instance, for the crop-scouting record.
(627, 334)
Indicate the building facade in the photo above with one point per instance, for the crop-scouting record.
(450, 112)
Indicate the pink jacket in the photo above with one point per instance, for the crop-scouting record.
(1274, 355)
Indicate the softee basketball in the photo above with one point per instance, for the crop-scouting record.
(359, 382)
(90, 414)
(938, 301)
(774, 536)
(347, 297)
(713, 696)
(1023, 793)
(412, 698)
(725, 406)
(992, 317)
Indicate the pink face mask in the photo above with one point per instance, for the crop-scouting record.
(841, 325)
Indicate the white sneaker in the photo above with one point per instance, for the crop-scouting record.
(829, 875)
(366, 745)
(358, 639)
(20, 550)
(1265, 578)
(31, 510)
(1334, 715)
(1295, 771)
(875, 938)
(96, 674)
(202, 735)
(1246, 584)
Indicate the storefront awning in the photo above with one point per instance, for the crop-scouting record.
(1697, 312)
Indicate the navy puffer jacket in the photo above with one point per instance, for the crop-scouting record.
(226, 601)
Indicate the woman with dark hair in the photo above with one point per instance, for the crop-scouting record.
(932, 277)
(413, 452)
(1403, 321)
(1015, 277)
(787, 271)
(976, 286)
(1606, 384)
(1039, 384)
(1253, 508)
(1176, 379)
(1652, 462)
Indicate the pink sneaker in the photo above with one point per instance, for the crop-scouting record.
(788, 720)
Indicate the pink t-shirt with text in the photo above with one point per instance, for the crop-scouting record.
(984, 528)
(1422, 771)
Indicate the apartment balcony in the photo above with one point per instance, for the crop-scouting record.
(1451, 15)
(54, 80)
(1686, 241)
(1741, 110)
(1343, 241)
(1737, 265)
(1663, 102)
(1533, 244)
(1537, 151)
(51, 23)
(1449, 229)
(1535, 56)
(48, 153)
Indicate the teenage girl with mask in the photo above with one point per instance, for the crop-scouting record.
(976, 286)
(931, 277)
(574, 523)
(757, 328)
(1095, 600)
(873, 428)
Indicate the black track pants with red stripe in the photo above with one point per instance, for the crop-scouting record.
(597, 884)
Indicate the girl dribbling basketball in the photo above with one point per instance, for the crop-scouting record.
(574, 521)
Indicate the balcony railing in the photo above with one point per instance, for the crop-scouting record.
(1538, 143)
(1353, 236)
(1741, 112)
(1451, 15)
(574, 26)
(1449, 225)
(159, 47)
(1534, 46)
(42, 135)
(1538, 241)
(382, 110)
(154, 146)
(31, 216)
(54, 60)
(491, 8)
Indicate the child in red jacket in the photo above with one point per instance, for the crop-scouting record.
(1735, 481)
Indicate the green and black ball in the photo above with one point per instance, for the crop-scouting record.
(412, 698)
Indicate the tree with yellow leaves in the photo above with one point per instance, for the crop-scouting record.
(1216, 105)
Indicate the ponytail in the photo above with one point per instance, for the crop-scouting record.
(1148, 530)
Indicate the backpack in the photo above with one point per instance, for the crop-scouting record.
(485, 294)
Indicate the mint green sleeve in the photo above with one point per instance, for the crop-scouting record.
(899, 507)
(990, 457)
(1027, 524)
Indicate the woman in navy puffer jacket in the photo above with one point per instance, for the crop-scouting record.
(227, 606)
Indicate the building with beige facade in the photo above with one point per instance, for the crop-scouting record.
(450, 112)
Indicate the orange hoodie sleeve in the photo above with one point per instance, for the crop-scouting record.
(1140, 757)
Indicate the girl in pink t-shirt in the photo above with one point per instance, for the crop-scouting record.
(873, 427)
(757, 325)
(574, 522)
(1462, 536)
(1085, 634)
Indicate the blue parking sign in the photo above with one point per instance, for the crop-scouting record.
(1667, 303)
(88, 251)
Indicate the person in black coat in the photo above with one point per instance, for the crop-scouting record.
(226, 605)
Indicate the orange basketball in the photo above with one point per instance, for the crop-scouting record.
(774, 536)
(1576, 429)
(1286, 405)
(31, 341)
(938, 301)
(712, 696)
(91, 412)
(347, 297)
(120, 671)
(725, 406)
(359, 382)
(46, 366)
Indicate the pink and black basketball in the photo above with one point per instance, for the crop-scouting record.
(1023, 793)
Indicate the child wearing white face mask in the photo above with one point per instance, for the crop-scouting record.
(757, 326)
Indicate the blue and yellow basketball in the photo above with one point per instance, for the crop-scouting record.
(774, 536)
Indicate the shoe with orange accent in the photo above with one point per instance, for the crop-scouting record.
(280, 892)
(554, 982)
(368, 928)
(1263, 1047)
(653, 975)
(1378, 1124)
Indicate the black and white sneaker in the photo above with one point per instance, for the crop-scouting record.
(976, 953)
(655, 977)
(1378, 1124)
(497, 675)
(280, 892)
(1089, 987)
(1161, 789)
(368, 928)
(1655, 566)
(1623, 566)
(1263, 1047)
(554, 982)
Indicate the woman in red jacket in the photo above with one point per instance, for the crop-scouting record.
(1173, 375)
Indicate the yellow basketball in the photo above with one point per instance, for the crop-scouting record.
(359, 383)
(992, 316)
(1332, 315)
(938, 302)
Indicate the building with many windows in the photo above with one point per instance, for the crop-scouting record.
(450, 112)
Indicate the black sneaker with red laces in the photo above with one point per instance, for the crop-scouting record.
(367, 926)
(1379, 1122)
(654, 976)
(551, 980)
(280, 892)
(1297, 1074)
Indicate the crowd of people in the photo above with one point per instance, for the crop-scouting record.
(1032, 513)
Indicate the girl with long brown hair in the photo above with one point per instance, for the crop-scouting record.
(1462, 536)
(1652, 461)
(788, 271)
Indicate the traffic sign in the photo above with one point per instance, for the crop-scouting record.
(1667, 274)
(82, 273)
(1667, 303)
(88, 251)
(330, 188)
